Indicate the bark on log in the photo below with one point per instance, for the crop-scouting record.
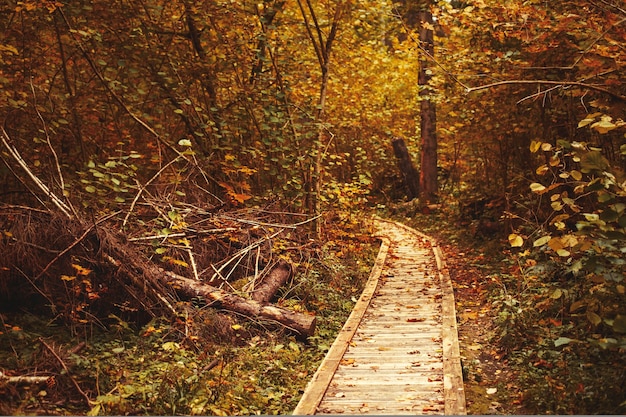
(302, 324)
(277, 277)
(157, 282)
(23, 380)
(409, 173)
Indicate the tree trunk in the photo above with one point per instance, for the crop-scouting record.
(410, 176)
(323, 52)
(428, 124)
(300, 323)
(278, 276)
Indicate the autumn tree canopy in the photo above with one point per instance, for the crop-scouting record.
(134, 113)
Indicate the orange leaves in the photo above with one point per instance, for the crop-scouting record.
(234, 195)
(236, 191)
(30, 5)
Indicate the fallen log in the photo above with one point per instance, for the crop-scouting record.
(23, 379)
(157, 281)
(147, 283)
(277, 277)
(300, 323)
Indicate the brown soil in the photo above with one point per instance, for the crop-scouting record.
(490, 384)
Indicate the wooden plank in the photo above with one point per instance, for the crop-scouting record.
(454, 391)
(319, 383)
(401, 355)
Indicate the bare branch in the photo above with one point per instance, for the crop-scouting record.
(45, 130)
(561, 84)
(67, 371)
(143, 187)
(76, 242)
(23, 379)
(67, 210)
(317, 47)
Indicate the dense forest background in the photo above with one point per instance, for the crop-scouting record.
(211, 138)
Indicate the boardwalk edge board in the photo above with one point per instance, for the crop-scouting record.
(321, 379)
(453, 390)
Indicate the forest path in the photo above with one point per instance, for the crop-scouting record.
(398, 351)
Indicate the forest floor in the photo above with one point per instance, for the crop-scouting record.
(491, 385)
(210, 362)
(512, 363)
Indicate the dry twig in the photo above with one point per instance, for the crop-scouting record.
(67, 371)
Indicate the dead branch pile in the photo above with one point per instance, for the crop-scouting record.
(143, 259)
(84, 271)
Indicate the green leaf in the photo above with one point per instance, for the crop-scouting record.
(90, 189)
(169, 346)
(95, 411)
(294, 347)
(542, 241)
(604, 197)
(563, 252)
(556, 206)
(562, 341)
(586, 121)
(609, 215)
(603, 126)
(619, 324)
(558, 293)
(593, 161)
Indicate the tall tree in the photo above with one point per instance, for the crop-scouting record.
(418, 16)
(428, 119)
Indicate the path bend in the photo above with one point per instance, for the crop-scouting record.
(398, 352)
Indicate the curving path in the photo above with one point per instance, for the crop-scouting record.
(398, 351)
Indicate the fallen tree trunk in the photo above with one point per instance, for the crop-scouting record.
(303, 324)
(277, 277)
(152, 287)
(157, 281)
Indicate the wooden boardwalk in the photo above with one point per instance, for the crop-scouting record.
(398, 351)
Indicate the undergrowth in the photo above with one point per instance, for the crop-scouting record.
(542, 321)
(206, 362)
